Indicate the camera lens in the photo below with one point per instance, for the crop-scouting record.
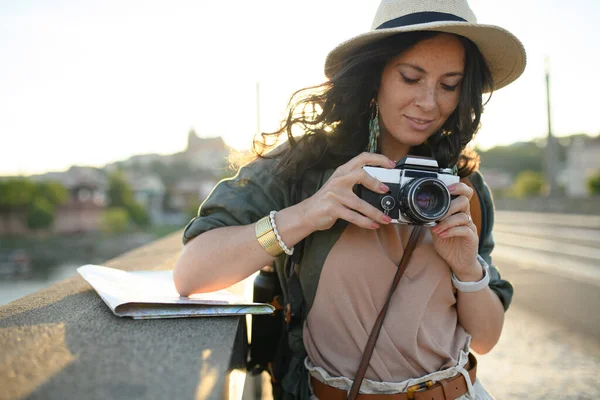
(425, 200)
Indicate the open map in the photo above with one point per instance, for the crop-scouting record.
(152, 294)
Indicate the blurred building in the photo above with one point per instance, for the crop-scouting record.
(497, 180)
(583, 160)
(205, 153)
(84, 183)
(148, 190)
(208, 154)
(87, 188)
(188, 194)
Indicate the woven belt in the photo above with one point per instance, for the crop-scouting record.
(446, 389)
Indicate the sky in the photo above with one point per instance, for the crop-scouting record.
(89, 82)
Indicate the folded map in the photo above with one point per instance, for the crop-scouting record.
(152, 294)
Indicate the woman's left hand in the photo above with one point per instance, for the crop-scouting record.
(455, 236)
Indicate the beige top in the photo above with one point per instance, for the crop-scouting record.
(420, 334)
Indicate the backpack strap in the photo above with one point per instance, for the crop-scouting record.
(295, 297)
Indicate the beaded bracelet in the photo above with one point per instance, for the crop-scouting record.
(287, 251)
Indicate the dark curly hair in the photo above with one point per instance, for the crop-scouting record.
(327, 124)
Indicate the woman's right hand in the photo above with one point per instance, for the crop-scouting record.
(336, 198)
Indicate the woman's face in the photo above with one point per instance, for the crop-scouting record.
(419, 90)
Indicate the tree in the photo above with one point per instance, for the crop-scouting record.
(137, 214)
(41, 214)
(120, 195)
(119, 192)
(528, 184)
(37, 200)
(514, 158)
(46, 196)
(54, 192)
(593, 184)
(16, 193)
(114, 220)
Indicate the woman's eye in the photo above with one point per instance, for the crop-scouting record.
(449, 88)
(408, 80)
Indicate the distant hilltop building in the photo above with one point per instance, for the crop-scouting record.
(201, 153)
(205, 153)
(143, 160)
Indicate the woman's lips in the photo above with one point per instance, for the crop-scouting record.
(419, 124)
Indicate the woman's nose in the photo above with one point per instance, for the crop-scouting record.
(426, 98)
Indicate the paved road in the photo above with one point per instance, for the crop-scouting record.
(550, 346)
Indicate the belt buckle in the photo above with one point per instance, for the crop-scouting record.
(411, 390)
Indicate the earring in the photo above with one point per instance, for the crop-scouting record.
(373, 127)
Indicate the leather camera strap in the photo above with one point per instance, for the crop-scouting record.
(364, 363)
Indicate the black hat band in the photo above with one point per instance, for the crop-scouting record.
(420, 18)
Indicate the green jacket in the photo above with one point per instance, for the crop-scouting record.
(255, 191)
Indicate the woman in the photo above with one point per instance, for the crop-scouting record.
(413, 85)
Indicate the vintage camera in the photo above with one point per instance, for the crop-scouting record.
(418, 191)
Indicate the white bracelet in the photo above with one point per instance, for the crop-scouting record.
(470, 287)
(287, 251)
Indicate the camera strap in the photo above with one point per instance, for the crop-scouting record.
(366, 357)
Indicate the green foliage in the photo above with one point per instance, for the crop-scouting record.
(528, 184)
(593, 184)
(120, 193)
(54, 192)
(37, 199)
(114, 220)
(40, 214)
(16, 193)
(138, 214)
(514, 159)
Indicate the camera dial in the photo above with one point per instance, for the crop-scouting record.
(388, 203)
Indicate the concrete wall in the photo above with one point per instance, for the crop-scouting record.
(63, 342)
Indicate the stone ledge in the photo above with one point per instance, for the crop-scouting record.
(63, 342)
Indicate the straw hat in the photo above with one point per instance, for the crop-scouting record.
(503, 52)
